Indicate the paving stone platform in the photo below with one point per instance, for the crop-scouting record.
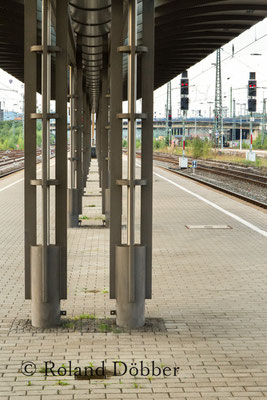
(209, 304)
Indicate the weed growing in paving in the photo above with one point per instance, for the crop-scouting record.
(29, 383)
(87, 316)
(62, 383)
(104, 328)
(69, 325)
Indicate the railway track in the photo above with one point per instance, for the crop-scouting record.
(13, 161)
(216, 168)
(220, 188)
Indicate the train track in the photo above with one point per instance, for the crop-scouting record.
(217, 187)
(14, 162)
(209, 166)
(231, 172)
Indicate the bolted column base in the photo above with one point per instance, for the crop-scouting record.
(45, 314)
(130, 315)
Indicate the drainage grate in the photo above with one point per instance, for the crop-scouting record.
(208, 227)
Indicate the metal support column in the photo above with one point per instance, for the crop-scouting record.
(85, 139)
(89, 121)
(104, 137)
(131, 257)
(79, 131)
(73, 197)
(116, 84)
(47, 260)
(147, 140)
(98, 140)
(61, 139)
(30, 80)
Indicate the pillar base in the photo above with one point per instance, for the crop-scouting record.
(130, 315)
(73, 209)
(45, 314)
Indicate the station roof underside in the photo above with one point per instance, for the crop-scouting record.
(185, 33)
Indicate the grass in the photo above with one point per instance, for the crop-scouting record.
(69, 325)
(87, 316)
(84, 217)
(104, 291)
(104, 328)
(62, 383)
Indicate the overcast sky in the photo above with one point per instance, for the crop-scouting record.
(201, 76)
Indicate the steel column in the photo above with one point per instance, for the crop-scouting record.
(61, 139)
(132, 84)
(48, 261)
(116, 84)
(98, 140)
(85, 140)
(130, 267)
(104, 137)
(30, 81)
(79, 131)
(46, 97)
(147, 139)
(73, 211)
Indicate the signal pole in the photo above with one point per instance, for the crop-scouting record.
(169, 113)
(252, 104)
(183, 162)
(263, 124)
(218, 114)
(234, 124)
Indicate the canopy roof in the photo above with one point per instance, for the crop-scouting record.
(185, 33)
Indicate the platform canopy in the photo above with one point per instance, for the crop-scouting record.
(185, 33)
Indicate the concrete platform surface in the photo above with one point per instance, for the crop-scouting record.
(207, 318)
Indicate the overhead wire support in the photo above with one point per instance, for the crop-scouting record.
(169, 113)
(218, 112)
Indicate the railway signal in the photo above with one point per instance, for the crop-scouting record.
(169, 120)
(252, 107)
(184, 86)
(183, 163)
(184, 103)
(252, 88)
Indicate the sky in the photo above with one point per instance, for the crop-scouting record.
(235, 74)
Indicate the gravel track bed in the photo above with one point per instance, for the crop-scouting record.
(251, 190)
(247, 189)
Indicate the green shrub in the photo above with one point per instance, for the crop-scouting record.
(197, 147)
